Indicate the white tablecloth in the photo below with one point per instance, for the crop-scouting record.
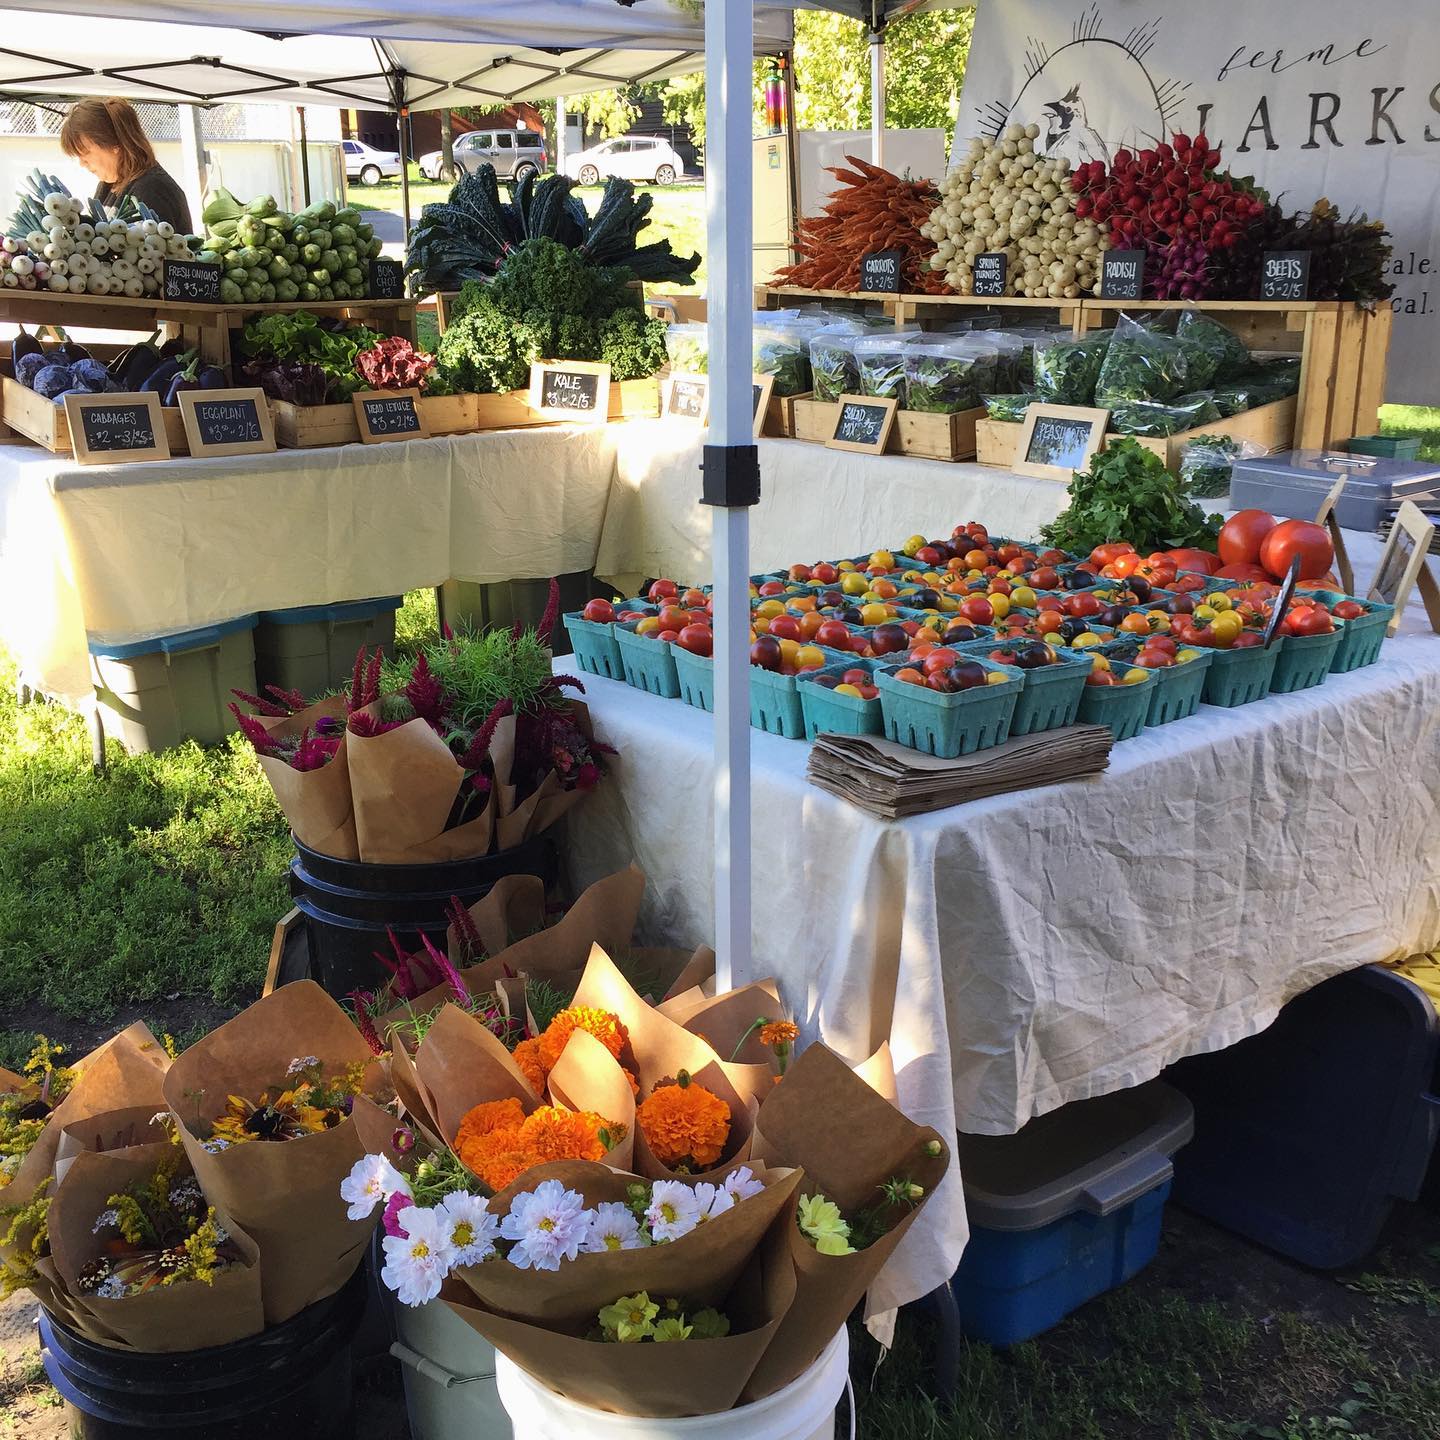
(126, 552)
(1033, 949)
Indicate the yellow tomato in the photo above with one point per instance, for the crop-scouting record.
(1023, 596)
(770, 608)
(844, 564)
(1099, 662)
(1204, 612)
(848, 690)
(760, 624)
(853, 583)
(914, 543)
(996, 677)
(1085, 641)
(789, 649)
(1135, 677)
(809, 655)
(884, 559)
(1183, 656)
(874, 614)
(1000, 604)
(1219, 601)
(1227, 626)
(650, 625)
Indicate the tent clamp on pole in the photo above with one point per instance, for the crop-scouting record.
(731, 475)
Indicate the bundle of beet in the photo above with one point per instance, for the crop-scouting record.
(473, 746)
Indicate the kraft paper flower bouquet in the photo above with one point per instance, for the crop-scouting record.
(475, 746)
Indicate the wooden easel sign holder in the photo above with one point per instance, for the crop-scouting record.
(1326, 516)
(1403, 566)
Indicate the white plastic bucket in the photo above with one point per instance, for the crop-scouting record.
(803, 1410)
(449, 1373)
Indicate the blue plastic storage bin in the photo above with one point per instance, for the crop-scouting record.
(1307, 1133)
(312, 648)
(597, 652)
(1065, 1210)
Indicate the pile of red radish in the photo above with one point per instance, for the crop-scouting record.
(1256, 546)
(1170, 202)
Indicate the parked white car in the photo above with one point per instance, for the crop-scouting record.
(368, 165)
(631, 157)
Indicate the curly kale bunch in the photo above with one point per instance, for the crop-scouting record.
(546, 303)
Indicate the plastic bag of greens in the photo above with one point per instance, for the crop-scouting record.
(783, 351)
(1012, 359)
(1233, 398)
(1205, 333)
(1282, 371)
(1008, 407)
(1150, 417)
(1269, 383)
(1066, 370)
(834, 370)
(1141, 364)
(1206, 462)
(688, 346)
(946, 374)
(881, 359)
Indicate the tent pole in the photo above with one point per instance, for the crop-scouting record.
(731, 467)
(402, 128)
(562, 125)
(304, 156)
(877, 97)
(792, 144)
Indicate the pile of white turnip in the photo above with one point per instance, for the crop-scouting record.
(1005, 197)
(67, 251)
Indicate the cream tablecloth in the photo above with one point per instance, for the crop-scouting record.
(126, 552)
(1033, 949)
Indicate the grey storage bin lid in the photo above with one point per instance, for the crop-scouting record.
(1094, 1156)
(1293, 484)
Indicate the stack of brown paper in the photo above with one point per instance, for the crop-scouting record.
(891, 781)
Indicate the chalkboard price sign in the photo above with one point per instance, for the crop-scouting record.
(192, 282)
(387, 280)
(1285, 275)
(570, 389)
(1123, 275)
(761, 389)
(104, 428)
(880, 271)
(1057, 440)
(688, 397)
(389, 415)
(862, 423)
(990, 271)
(227, 422)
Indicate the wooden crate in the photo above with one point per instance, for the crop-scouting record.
(780, 414)
(44, 422)
(635, 399)
(926, 310)
(783, 297)
(306, 427)
(915, 432)
(1271, 426)
(672, 308)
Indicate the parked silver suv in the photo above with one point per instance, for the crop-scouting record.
(513, 153)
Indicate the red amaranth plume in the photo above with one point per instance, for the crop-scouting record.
(564, 682)
(260, 705)
(552, 613)
(465, 931)
(372, 677)
(314, 751)
(367, 727)
(357, 681)
(254, 731)
(293, 699)
(400, 981)
(425, 692)
(448, 972)
(479, 747)
(364, 1003)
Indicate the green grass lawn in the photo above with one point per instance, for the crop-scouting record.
(152, 892)
(678, 213)
(1421, 420)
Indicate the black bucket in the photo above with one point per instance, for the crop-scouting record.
(348, 905)
(292, 1379)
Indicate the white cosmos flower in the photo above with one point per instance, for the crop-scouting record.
(372, 1181)
(470, 1229)
(673, 1210)
(613, 1226)
(742, 1184)
(712, 1200)
(550, 1225)
(417, 1263)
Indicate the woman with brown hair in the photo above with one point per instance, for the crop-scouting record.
(106, 138)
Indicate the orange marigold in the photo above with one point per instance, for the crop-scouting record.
(534, 1069)
(555, 1134)
(604, 1026)
(507, 1114)
(778, 1033)
(499, 1158)
(684, 1124)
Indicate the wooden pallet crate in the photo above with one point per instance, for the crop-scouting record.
(41, 420)
(928, 310)
(784, 297)
(780, 414)
(1270, 426)
(916, 432)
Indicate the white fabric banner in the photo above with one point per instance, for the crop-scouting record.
(1327, 99)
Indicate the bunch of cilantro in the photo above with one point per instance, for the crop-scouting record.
(1128, 494)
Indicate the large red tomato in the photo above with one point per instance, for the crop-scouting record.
(1304, 538)
(1200, 560)
(1242, 571)
(1242, 535)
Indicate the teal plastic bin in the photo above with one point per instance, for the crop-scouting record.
(154, 694)
(597, 651)
(312, 648)
(775, 699)
(949, 725)
(1240, 677)
(826, 713)
(649, 664)
(696, 675)
(1066, 1209)
(1122, 707)
(1177, 689)
(1364, 635)
(1305, 660)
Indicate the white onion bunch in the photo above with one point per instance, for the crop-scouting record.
(1003, 196)
(106, 257)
